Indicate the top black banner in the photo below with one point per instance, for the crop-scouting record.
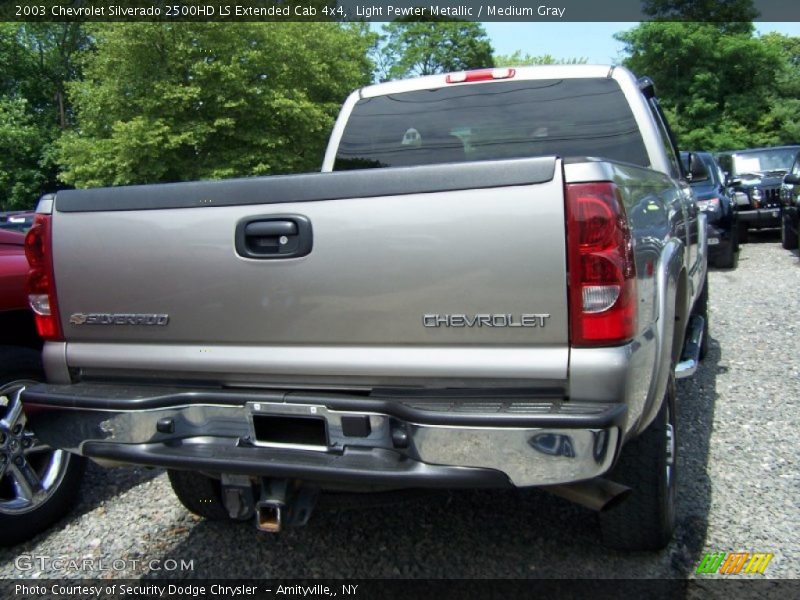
(359, 10)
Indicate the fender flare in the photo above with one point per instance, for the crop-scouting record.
(669, 275)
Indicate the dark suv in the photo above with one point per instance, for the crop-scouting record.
(758, 173)
(790, 196)
(714, 199)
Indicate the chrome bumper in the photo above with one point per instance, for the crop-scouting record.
(422, 443)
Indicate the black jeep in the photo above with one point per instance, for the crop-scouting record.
(755, 176)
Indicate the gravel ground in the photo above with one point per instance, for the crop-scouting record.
(739, 486)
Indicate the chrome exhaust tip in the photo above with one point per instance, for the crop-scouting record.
(597, 494)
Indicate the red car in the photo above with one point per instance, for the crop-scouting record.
(38, 485)
(13, 271)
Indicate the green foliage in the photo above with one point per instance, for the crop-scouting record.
(36, 61)
(719, 89)
(784, 116)
(50, 60)
(21, 176)
(729, 16)
(519, 59)
(185, 101)
(428, 47)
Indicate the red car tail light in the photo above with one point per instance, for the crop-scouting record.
(602, 273)
(41, 280)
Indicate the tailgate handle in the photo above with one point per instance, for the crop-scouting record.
(270, 231)
(273, 236)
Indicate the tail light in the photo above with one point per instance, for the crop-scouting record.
(712, 204)
(602, 274)
(41, 281)
(480, 75)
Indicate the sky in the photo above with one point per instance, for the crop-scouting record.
(594, 41)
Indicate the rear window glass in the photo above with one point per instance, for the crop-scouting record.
(565, 117)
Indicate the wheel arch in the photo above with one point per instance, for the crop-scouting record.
(672, 283)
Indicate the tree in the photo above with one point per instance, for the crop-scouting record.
(715, 86)
(714, 78)
(36, 62)
(519, 59)
(53, 48)
(184, 101)
(730, 16)
(784, 116)
(21, 174)
(428, 47)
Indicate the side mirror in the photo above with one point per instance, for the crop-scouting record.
(791, 179)
(697, 170)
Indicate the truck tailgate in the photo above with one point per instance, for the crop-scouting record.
(448, 271)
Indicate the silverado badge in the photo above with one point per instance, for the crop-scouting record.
(151, 320)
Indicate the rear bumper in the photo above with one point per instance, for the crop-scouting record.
(400, 442)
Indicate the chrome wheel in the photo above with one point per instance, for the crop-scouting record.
(30, 472)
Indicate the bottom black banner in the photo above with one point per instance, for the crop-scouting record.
(389, 589)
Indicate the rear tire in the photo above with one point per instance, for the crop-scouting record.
(727, 259)
(744, 233)
(645, 520)
(788, 236)
(200, 494)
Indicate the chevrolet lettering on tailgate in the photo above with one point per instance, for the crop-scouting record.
(485, 320)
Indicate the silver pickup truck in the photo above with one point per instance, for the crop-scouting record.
(494, 284)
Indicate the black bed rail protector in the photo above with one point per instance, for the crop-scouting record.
(311, 187)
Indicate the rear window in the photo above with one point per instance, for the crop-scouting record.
(565, 117)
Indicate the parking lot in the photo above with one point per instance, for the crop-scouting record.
(739, 484)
